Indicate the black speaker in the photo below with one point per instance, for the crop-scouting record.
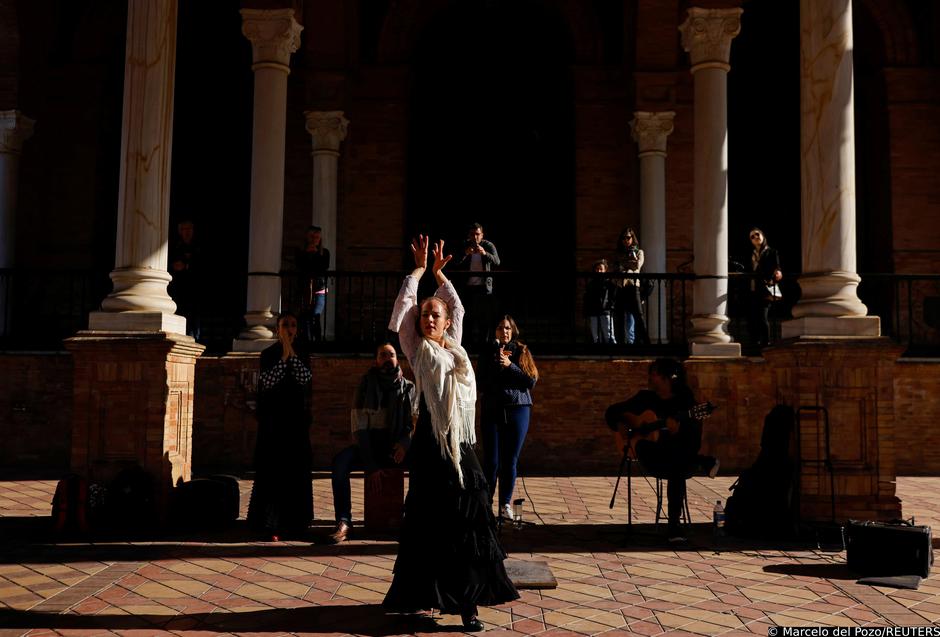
(888, 548)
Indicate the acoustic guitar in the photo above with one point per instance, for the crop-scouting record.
(648, 426)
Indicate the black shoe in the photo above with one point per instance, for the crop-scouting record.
(472, 624)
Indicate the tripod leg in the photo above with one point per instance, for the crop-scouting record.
(617, 484)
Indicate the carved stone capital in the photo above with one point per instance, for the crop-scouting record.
(707, 35)
(15, 128)
(327, 129)
(274, 35)
(650, 129)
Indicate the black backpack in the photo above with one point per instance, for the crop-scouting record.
(132, 500)
(761, 504)
(206, 503)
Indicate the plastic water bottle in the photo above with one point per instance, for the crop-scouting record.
(718, 519)
(517, 512)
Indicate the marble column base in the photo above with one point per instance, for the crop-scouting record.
(829, 294)
(252, 344)
(139, 290)
(715, 350)
(709, 329)
(835, 326)
(137, 322)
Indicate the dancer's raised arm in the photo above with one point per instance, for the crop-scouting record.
(405, 311)
(447, 293)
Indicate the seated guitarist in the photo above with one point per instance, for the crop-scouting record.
(674, 454)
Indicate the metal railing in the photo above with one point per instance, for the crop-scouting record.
(40, 308)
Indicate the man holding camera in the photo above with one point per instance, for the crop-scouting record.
(479, 256)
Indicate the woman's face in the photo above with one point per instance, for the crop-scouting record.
(660, 384)
(627, 240)
(600, 267)
(756, 238)
(287, 326)
(504, 332)
(434, 321)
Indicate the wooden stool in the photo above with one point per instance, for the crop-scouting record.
(383, 510)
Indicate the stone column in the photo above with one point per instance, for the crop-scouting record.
(829, 305)
(139, 300)
(707, 35)
(274, 35)
(14, 130)
(649, 132)
(327, 130)
(134, 369)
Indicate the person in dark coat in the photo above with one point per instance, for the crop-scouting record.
(185, 265)
(282, 494)
(449, 553)
(506, 374)
(765, 263)
(313, 262)
(629, 305)
(599, 301)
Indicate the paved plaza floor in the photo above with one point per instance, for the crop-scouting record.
(608, 582)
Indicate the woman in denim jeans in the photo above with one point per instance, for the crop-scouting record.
(506, 374)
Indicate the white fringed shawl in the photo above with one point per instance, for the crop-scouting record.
(445, 377)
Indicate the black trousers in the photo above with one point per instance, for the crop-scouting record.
(670, 463)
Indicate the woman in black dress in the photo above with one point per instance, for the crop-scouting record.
(449, 555)
(282, 494)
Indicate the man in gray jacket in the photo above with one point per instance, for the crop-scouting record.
(382, 426)
(481, 256)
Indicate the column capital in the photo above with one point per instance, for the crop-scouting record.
(327, 129)
(707, 35)
(274, 34)
(15, 128)
(650, 129)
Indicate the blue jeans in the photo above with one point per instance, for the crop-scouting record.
(602, 329)
(502, 444)
(318, 304)
(311, 323)
(345, 462)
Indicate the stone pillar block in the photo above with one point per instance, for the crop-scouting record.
(133, 404)
(854, 380)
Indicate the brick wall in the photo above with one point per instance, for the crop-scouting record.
(35, 414)
(916, 411)
(567, 422)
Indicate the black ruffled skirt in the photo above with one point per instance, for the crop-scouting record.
(449, 554)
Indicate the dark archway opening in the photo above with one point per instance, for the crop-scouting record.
(211, 172)
(873, 225)
(764, 153)
(764, 132)
(491, 132)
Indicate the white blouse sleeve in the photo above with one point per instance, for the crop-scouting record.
(405, 316)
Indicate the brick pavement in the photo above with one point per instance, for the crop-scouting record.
(225, 583)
